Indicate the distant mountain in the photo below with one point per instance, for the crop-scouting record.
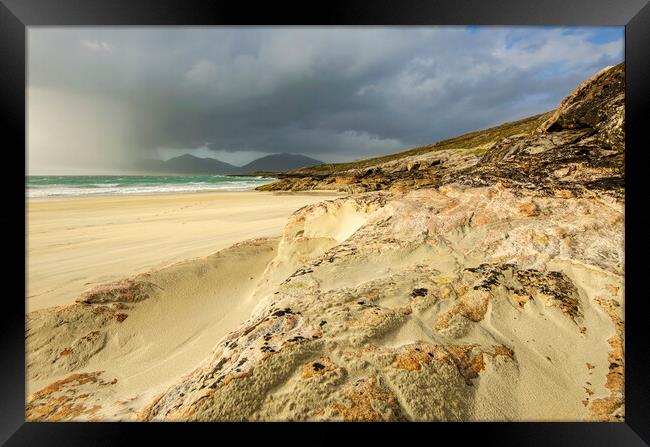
(189, 164)
(280, 163)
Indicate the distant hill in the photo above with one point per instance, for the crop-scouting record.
(474, 155)
(280, 163)
(468, 140)
(189, 164)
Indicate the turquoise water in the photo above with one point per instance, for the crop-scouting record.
(83, 185)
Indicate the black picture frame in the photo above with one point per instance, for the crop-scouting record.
(16, 15)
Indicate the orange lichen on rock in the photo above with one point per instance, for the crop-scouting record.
(529, 209)
(471, 305)
(59, 401)
(412, 358)
(612, 407)
(469, 359)
(107, 312)
(127, 290)
(478, 285)
(371, 317)
(78, 379)
(318, 368)
(553, 289)
(365, 399)
(519, 300)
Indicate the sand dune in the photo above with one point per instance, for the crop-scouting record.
(189, 305)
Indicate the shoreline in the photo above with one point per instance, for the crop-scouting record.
(320, 192)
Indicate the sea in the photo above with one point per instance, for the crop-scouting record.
(43, 186)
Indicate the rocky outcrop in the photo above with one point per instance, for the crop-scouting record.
(598, 104)
(78, 396)
(438, 300)
(578, 150)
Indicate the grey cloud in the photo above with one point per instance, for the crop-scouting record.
(339, 93)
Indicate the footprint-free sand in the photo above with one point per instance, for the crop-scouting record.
(76, 243)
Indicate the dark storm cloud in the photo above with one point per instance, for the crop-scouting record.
(335, 93)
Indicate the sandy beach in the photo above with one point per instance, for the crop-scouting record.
(189, 245)
(76, 243)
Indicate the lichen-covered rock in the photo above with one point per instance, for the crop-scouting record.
(123, 291)
(598, 104)
(77, 397)
(484, 279)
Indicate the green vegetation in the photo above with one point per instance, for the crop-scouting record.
(466, 141)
